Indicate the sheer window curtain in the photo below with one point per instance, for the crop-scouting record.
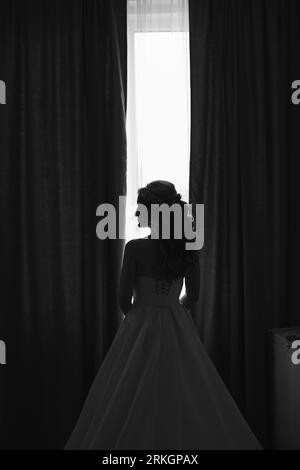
(158, 94)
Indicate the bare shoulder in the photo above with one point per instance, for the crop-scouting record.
(137, 245)
(134, 243)
(137, 241)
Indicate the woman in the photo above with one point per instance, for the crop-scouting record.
(157, 387)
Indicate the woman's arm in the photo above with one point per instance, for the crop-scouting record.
(127, 278)
(192, 282)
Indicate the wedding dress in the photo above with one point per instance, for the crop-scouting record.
(157, 387)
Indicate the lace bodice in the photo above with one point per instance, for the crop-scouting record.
(156, 292)
(140, 278)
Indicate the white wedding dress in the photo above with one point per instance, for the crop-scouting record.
(157, 387)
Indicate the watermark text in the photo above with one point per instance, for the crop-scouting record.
(296, 353)
(296, 93)
(184, 225)
(2, 353)
(2, 92)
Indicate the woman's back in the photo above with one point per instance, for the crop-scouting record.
(142, 273)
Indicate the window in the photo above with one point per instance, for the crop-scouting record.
(158, 112)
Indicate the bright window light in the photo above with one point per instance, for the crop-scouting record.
(158, 115)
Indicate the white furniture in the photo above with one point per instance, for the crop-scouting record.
(284, 381)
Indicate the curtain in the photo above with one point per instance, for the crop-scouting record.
(63, 152)
(245, 169)
(158, 93)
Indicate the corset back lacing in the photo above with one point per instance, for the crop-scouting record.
(162, 287)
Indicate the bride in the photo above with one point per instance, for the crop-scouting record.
(157, 387)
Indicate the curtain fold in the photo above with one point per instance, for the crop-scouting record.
(62, 153)
(244, 168)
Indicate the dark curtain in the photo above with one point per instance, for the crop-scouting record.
(62, 153)
(245, 169)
